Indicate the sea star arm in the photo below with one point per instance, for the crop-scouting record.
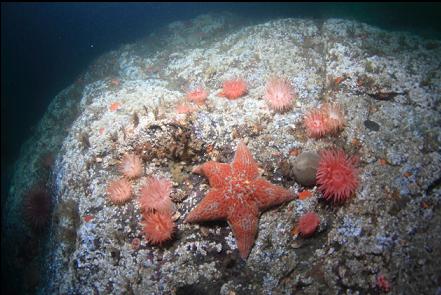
(268, 194)
(243, 221)
(215, 172)
(244, 163)
(210, 208)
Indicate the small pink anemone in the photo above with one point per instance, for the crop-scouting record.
(197, 95)
(155, 195)
(279, 94)
(316, 123)
(233, 89)
(131, 166)
(119, 191)
(184, 108)
(308, 224)
(158, 227)
(335, 117)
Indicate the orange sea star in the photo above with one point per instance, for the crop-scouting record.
(238, 194)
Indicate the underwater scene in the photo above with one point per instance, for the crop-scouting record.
(279, 151)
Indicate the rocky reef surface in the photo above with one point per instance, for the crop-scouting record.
(387, 238)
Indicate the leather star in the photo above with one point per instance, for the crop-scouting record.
(238, 194)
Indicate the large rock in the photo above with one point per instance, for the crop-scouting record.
(126, 102)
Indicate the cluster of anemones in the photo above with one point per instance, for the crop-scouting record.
(278, 93)
(337, 175)
(157, 209)
(328, 119)
(119, 191)
(337, 179)
(154, 199)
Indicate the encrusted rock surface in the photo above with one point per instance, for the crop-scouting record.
(125, 102)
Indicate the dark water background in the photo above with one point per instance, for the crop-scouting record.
(44, 47)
